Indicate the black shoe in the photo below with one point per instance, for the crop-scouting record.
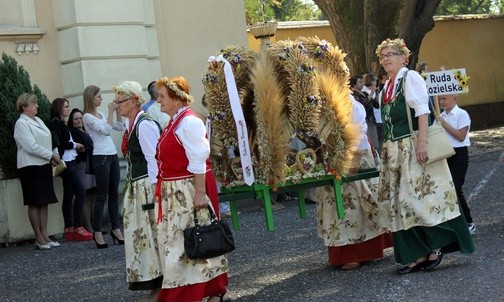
(410, 269)
(114, 238)
(431, 264)
(98, 245)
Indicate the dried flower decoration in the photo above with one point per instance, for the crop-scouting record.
(233, 58)
(321, 49)
(131, 90)
(216, 116)
(313, 100)
(181, 94)
(306, 69)
(285, 54)
(209, 78)
(397, 44)
(301, 47)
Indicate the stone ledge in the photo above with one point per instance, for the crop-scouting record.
(20, 33)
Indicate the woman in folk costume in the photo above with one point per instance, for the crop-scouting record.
(186, 183)
(358, 237)
(423, 211)
(143, 266)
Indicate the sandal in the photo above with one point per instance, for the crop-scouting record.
(432, 264)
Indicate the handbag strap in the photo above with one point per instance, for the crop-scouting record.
(408, 112)
(212, 214)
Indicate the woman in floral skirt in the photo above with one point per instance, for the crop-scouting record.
(423, 211)
(143, 266)
(358, 237)
(186, 184)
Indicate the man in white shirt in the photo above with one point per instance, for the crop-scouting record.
(151, 107)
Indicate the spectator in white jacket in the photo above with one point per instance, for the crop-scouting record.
(35, 158)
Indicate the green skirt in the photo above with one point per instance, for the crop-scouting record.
(450, 236)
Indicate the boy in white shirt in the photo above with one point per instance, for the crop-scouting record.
(456, 122)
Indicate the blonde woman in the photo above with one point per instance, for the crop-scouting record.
(143, 266)
(105, 162)
(35, 158)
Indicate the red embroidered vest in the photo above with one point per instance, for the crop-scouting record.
(170, 153)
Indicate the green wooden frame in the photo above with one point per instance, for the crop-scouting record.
(262, 192)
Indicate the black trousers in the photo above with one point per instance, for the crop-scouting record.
(107, 174)
(458, 165)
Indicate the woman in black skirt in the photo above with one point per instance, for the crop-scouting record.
(35, 157)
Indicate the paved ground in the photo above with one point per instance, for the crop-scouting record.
(289, 264)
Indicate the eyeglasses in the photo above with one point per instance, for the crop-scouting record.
(120, 102)
(388, 55)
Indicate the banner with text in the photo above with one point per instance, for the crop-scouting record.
(446, 82)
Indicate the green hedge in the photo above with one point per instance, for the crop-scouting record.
(14, 80)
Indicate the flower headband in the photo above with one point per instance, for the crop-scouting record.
(181, 94)
(398, 44)
(131, 90)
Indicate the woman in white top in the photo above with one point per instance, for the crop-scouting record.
(424, 216)
(143, 266)
(185, 183)
(34, 158)
(358, 237)
(105, 162)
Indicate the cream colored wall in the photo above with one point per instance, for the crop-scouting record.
(322, 32)
(474, 44)
(43, 67)
(191, 31)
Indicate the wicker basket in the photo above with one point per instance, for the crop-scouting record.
(263, 29)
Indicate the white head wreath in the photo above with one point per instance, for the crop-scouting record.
(181, 94)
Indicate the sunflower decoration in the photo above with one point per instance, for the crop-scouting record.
(458, 75)
(462, 79)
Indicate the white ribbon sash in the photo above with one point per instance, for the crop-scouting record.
(241, 126)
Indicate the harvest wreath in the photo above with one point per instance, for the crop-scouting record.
(294, 90)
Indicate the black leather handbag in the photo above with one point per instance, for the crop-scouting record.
(208, 241)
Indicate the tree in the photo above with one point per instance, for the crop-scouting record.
(295, 10)
(280, 10)
(359, 26)
(15, 80)
(463, 7)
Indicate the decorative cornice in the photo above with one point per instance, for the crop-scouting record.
(10, 32)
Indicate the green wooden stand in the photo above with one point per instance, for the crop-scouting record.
(262, 192)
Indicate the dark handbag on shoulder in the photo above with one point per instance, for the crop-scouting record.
(89, 163)
(208, 241)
